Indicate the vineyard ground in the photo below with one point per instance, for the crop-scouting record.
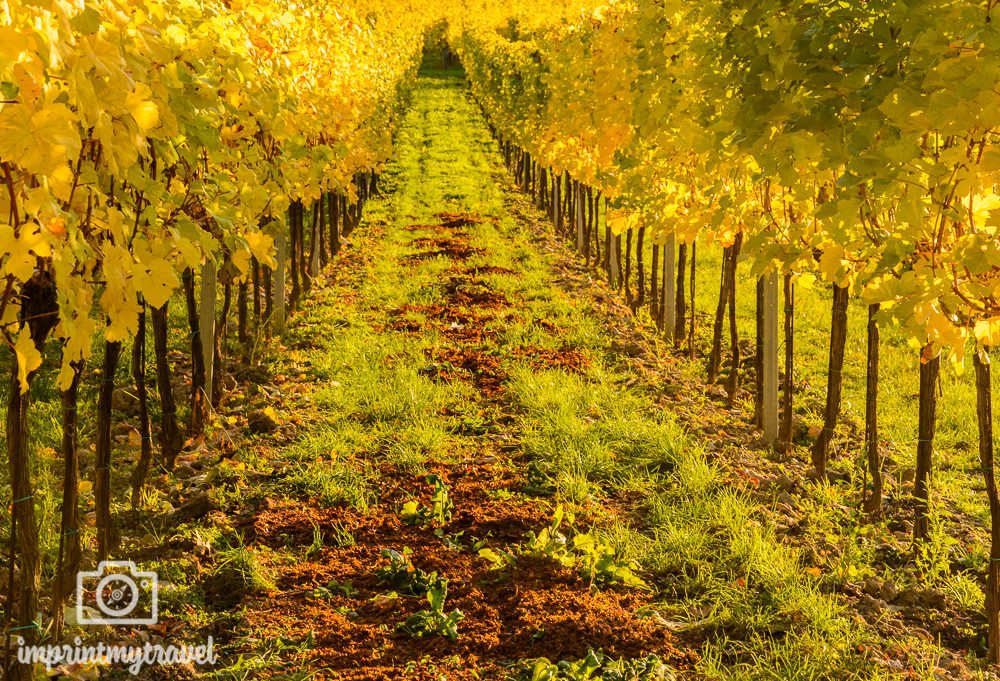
(456, 337)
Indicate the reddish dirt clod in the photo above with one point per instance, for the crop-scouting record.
(457, 220)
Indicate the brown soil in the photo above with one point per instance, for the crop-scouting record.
(455, 247)
(479, 270)
(470, 292)
(485, 370)
(537, 608)
(458, 220)
(562, 358)
(437, 229)
(486, 373)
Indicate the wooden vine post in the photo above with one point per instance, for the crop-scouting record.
(171, 440)
(141, 469)
(640, 267)
(278, 283)
(715, 355)
(680, 328)
(198, 407)
(70, 552)
(102, 453)
(733, 379)
(543, 189)
(293, 259)
(769, 363)
(629, 299)
(221, 329)
(654, 288)
(758, 359)
(243, 317)
(314, 239)
(619, 266)
(557, 215)
(324, 253)
(873, 503)
(206, 324)
(984, 418)
(929, 370)
(337, 221)
(614, 259)
(691, 292)
(668, 294)
(786, 398)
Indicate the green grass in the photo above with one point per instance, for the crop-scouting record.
(239, 567)
(331, 484)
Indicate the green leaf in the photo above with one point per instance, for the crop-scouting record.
(86, 22)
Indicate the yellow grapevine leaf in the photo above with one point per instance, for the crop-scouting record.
(28, 357)
(983, 208)
(22, 249)
(621, 221)
(987, 332)
(156, 281)
(261, 246)
(39, 142)
(144, 112)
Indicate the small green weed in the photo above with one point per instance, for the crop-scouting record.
(589, 552)
(400, 574)
(595, 666)
(434, 621)
(597, 560)
(316, 547)
(438, 513)
(340, 537)
(335, 588)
